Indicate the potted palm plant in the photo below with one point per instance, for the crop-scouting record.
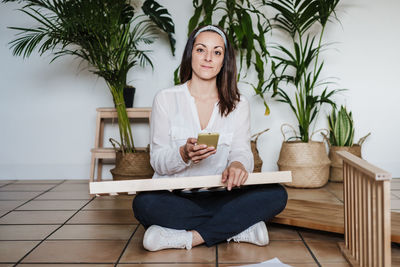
(341, 136)
(297, 68)
(107, 34)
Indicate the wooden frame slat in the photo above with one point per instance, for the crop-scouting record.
(133, 186)
(366, 212)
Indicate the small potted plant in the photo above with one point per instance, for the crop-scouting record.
(341, 136)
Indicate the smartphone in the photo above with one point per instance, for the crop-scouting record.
(209, 139)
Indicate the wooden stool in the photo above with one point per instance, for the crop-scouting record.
(99, 152)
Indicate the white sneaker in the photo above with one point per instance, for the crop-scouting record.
(158, 238)
(255, 234)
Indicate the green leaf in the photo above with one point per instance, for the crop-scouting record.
(160, 16)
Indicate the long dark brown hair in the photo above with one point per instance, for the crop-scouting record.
(228, 91)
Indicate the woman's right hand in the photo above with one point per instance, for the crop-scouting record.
(195, 153)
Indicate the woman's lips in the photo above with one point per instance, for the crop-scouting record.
(206, 67)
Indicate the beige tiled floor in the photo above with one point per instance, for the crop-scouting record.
(57, 223)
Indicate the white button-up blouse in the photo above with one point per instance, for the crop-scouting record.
(174, 119)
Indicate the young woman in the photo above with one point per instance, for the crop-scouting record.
(208, 100)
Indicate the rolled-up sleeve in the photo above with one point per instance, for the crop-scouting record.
(164, 155)
(240, 148)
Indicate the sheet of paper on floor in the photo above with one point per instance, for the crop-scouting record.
(275, 262)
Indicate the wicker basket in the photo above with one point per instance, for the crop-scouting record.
(308, 162)
(336, 171)
(130, 166)
(257, 160)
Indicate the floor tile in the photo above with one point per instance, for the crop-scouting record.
(71, 187)
(395, 204)
(77, 181)
(18, 195)
(279, 232)
(65, 195)
(54, 182)
(395, 184)
(326, 251)
(64, 265)
(121, 196)
(136, 253)
(7, 181)
(249, 253)
(25, 232)
(337, 264)
(53, 205)
(166, 265)
(3, 212)
(109, 204)
(104, 217)
(10, 204)
(112, 232)
(312, 235)
(82, 251)
(291, 264)
(320, 195)
(395, 255)
(27, 187)
(13, 251)
(36, 217)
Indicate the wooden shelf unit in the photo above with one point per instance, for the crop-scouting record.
(99, 152)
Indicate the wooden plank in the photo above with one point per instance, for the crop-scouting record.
(137, 113)
(113, 187)
(313, 215)
(372, 171)
(324, 216)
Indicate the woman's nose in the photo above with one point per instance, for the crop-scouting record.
(208, 56)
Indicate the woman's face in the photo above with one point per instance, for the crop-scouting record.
(207, 55)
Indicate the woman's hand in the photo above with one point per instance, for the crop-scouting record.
(235, 174)
(195, 153)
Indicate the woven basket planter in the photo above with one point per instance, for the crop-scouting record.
(257, 160)
(336, 170)
(308, 162)
(130, 166)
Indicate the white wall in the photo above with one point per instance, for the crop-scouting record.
(47, 112)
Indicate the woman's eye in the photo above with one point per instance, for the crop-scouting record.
(199, 50)
(218, 53)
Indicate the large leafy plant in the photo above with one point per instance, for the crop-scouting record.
(237, 18)
(108, 34)
(297, 64)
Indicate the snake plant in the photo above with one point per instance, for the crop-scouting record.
(341, 127)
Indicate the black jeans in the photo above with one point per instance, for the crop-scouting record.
(216, 216)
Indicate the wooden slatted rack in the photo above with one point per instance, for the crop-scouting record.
(367, 224)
